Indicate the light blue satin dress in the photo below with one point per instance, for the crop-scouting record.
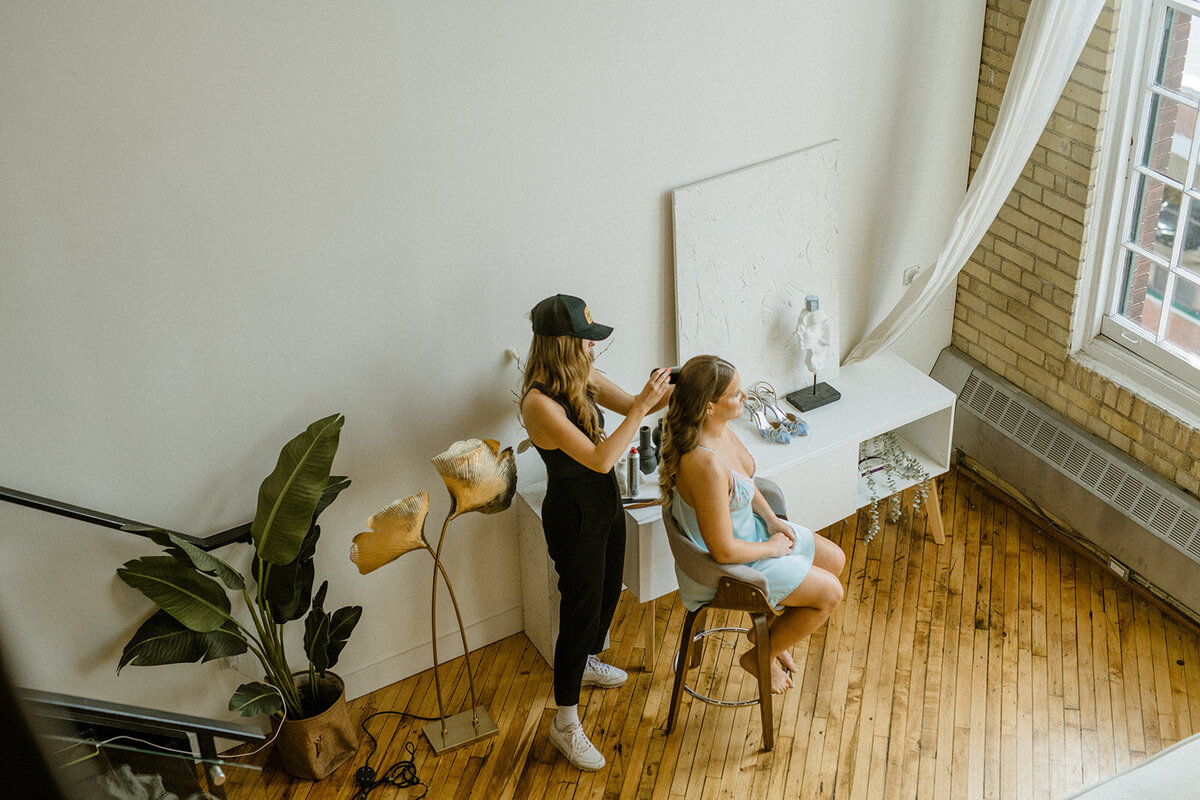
(783, 574)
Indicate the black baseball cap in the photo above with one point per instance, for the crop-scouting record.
(565, 315)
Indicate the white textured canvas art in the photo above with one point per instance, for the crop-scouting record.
(749, 246)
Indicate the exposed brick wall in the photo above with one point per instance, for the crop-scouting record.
(1018, 295)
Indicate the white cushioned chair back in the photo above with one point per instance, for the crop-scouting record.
(699, 565)
(773, 495)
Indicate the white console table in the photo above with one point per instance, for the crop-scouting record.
(818, 474)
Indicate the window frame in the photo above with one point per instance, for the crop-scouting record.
(1103, 340)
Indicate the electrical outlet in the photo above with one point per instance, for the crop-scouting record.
(1119, 568)
(910, 275)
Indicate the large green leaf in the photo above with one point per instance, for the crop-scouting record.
(325, 635)
(344, 620)
(308, 547)
(333, 488)
(188, 553)
(288, 497)
(255, 698)
(208, 563)
(291, 589)
(287, 588)
(162, 639)
(177, 588)
(316, 630)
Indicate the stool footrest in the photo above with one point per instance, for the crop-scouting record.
(690, 645)
(712, 700)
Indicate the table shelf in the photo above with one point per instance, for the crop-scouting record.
(931, 466)
(819, 473)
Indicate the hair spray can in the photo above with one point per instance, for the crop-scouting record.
(633, 475)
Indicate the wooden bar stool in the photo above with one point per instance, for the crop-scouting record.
(738, 588)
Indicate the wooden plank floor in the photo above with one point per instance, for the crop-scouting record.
(1003, 664)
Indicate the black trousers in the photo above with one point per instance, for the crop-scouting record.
(584, 525)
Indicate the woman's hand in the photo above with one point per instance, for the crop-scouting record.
(658, 387)
(780, 544)
(777, 525)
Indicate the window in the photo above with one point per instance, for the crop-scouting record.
(1154, 305)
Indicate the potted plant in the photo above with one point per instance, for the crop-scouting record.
(195, 620)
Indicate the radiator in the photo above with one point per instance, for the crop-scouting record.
(1123, 510)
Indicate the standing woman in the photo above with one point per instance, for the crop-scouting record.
(582, 515)
(707, 480)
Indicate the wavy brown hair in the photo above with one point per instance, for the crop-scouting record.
(559, 366)
(702, 380)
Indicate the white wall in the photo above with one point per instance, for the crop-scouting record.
(220, 221)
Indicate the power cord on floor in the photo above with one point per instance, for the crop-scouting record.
(402, 774)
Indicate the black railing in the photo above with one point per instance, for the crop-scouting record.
(64, 717)
(239, 534)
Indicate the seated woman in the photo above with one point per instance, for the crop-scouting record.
(707, 484)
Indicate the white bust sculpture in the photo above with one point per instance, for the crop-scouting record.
(815, 332)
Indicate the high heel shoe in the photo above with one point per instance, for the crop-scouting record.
(793, 423)
(769, 430)
(773, 414)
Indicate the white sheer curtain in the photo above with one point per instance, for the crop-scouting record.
(1054, 34)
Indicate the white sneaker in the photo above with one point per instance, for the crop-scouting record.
(575, 745)
(597, 673)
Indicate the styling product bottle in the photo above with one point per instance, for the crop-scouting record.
(646, 454)
(633, 475)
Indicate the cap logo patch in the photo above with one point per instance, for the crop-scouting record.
(587, 315)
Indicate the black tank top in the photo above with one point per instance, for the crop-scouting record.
(559, 465)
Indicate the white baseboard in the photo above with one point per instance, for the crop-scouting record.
(416, 659)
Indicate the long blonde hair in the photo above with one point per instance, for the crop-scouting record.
(702, 380)
(559, 366)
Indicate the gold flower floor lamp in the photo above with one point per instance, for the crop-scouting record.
(481, 478)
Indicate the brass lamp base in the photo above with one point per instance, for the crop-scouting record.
(465, 727)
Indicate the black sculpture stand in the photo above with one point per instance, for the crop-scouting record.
(819, 394)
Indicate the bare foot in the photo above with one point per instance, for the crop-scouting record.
(780, 682)
(785, 658)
